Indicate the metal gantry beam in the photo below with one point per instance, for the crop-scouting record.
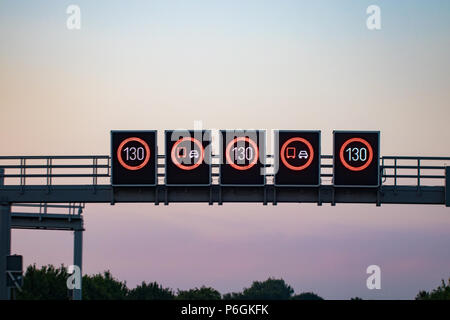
(404, 181)
(394, 172)
(46, 222)
(437, 195)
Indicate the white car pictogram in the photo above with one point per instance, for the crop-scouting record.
(303, 154)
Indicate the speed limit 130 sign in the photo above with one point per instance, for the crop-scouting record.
(356, 158)
(133, 158)
(243, 154)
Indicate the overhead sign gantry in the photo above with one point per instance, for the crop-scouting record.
(357, 174)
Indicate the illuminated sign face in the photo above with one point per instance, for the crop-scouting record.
(188, 157)
(133, 157)
(243, 155)
(356, 158)
(297, 158)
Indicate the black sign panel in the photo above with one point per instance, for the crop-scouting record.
(188, 157)
(14, 268)
(14, 263)
(356, 158)
(243, 154)
(134, 157)
(297, 158)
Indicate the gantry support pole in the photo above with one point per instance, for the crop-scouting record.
(447, 186)
(5, 242)
(78, 260)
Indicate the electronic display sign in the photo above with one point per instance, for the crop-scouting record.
(297, 158)
(243, 154)
(188, 157)
(356, 158)
(134, 158)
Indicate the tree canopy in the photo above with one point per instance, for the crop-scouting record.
(306, 296)
(47, 283)
(50, 283)
(442, 292)
(103, 287)
(151, 291)
(203, 293)
(271, 289)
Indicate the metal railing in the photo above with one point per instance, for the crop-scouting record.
(42, 209)
(68, 170)
(416, 171)
(19, 170)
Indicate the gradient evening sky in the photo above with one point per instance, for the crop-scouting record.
(235, 64)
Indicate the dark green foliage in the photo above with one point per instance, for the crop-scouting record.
(151, 291)
(202, 293)
(440, 293)
(271, 289)
(233, 296)
(50, 283)
(103, 287)
(307, 296)
(47, 283)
